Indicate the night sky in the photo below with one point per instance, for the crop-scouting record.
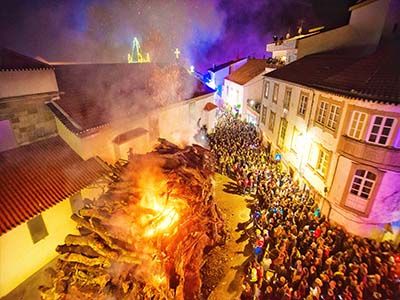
(206, 31)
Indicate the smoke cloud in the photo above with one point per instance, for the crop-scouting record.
(205, 31)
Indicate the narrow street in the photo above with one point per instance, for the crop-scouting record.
(235, 210)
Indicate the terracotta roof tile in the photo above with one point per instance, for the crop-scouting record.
(209, 106)
(248, 71)
(11, 60)
(37, 176)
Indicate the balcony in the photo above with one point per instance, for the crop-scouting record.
(281, 45)
(384, 157)
(254, 106)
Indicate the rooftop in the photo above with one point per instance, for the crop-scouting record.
(224, 65)
(11, 61)
(93, 95)
(37, 176)
(374, 77)
(248, 71)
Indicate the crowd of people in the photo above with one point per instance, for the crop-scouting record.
(297, 252)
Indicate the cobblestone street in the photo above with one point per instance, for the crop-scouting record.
(236, 211)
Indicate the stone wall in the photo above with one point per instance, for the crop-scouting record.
(30, 118)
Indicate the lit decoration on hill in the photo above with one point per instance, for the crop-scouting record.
(136, 55)
(177, 53)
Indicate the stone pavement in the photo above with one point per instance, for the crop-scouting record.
(236, 211)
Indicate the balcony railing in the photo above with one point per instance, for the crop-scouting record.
(386, 157)
(281, 45)
(254, 105)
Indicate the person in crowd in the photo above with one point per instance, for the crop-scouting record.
(297, 252)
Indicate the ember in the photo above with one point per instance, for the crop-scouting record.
(145, 238)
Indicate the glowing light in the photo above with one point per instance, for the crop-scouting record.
(136, 55)
(177, 53)
(163, 213)
(191, 69)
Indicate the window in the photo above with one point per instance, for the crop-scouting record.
(266, 92)
(333, 117)
(360, 190)
(227, 90)
(275, 93)
(319, 159)
(322, 112)
(271, 121)
(328, 114)
(357, 124)
(263, 114)
(322, 162)
(303, 104)
(380, 130)
(37, 228)
(282, 132)
(286, 100)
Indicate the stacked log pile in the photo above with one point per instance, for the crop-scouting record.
(116, 255)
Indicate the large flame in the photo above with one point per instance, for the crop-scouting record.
(163, 212)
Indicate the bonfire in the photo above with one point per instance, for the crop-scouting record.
(146, 237)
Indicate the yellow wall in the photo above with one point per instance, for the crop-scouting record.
(20, 258)
(70, 138)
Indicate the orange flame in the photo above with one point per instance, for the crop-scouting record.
(163, 212)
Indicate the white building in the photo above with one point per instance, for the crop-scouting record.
(335, 119)
(243, 88)
(115, 112)
(218, 73)
(370, 20)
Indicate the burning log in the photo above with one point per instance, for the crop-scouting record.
(145, 237)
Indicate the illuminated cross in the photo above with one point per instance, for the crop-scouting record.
(177, 52)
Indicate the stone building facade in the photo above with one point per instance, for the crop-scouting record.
(28, 117)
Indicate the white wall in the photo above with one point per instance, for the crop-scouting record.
(253, 88)
(385, 207)
(219, 76)
(364, 29)
(177, 123)
(235, 95)
(19, 83)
